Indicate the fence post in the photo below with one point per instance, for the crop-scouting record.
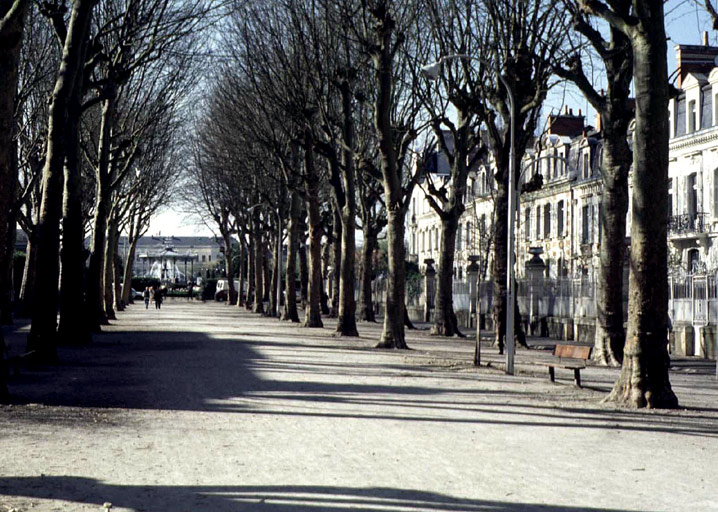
(535, 271)
(429, 288)
(472, 274)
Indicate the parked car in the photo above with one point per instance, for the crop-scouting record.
(136, 295)
(220, 293)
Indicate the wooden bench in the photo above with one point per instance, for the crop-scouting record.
(571, 357)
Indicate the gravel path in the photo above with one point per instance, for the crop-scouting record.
(204, 407)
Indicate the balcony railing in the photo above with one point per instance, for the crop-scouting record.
(687, 223)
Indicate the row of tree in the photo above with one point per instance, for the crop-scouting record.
(93, 101)
(318, 114)
(318, 118)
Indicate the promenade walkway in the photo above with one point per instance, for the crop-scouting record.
(204, 407)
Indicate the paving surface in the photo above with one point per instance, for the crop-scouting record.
(204, 407)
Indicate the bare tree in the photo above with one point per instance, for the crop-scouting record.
(384, 27)
(42, 336)
(12, 21)
(460, 141)
(616, 111)
(644, 381)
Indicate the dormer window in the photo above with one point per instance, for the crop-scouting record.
(692, 116)
(586, 165)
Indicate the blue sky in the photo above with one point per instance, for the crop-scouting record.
(685, 22)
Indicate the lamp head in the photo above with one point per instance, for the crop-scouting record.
(431, 71)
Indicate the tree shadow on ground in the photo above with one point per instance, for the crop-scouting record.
(193, 371)
(279, 498)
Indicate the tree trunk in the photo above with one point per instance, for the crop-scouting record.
(28, 276)
(227, 237)
(644, 381)
(610, 336)
(445, 323)
(73, 329)
(108, 271)
(393, 332)
(258, 265)
(117, 274)
(129, 267)
(303, 272)
(95, 273)
(10, 46)
(346, 324)
(251, 281)
(267, 268)
(7, 286)
(274, 308)
(42, 336)
(382, 56)
(366, 310)
(242, 298)
(336, 261)
(290, 300)
(313, 317)
(498, 268)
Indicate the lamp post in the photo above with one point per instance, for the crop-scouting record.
(431, 71)
(278, 284)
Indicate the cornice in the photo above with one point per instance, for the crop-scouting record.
(686, 141)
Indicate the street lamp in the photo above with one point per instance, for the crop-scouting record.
(278, 291)
(431, 71)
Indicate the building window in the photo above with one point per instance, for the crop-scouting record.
(693, 260)
(538, 223)
(586, 165)
(436, 239)
(469, 241)
(203, 258)
(692, 194)
(586, 227)
(559, 219)
(692, 120)
(715, 110)
(547, 221)
(527, 224)
(458, 237)
(670, 195)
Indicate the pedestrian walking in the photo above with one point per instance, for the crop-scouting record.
(158, 298)
(146, 296)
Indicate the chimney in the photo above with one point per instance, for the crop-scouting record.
(579, 112)
(705, 38)
(565, 110)
(570, 112)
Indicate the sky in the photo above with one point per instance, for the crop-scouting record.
(685, 22)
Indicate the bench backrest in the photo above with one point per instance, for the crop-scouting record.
(572, 351)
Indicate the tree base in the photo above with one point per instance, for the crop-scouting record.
(293, 317)
(75, 338)
(392, 344)
(643, 385)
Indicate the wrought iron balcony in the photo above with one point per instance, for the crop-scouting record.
(687, 223)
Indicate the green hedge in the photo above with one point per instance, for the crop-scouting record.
(140, 283)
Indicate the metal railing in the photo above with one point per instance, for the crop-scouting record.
(686, 223)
